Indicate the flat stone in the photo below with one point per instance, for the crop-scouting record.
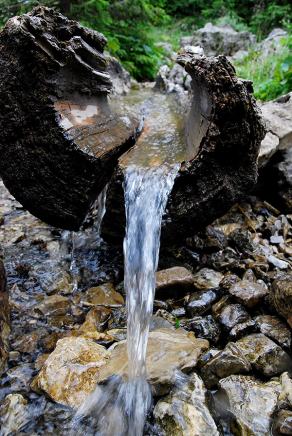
(248, 293)
(264, 354)
(251, 403)
(231, 315)
(174, 277)
(227, 362)
(70, 372)
(275, 329)
(167, 351)
(282, 296)
(185, 411)
(103, 295)
(53, 305)
(200, 302)
(207, 279)
(13, 414)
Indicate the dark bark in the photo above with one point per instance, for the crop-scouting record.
(54, 160)
(226, 130)
(4, 317)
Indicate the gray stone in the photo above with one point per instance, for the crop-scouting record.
(205, 327)
(221, 40)
(185, 411)
(251, 403)
(200, 302)
(207, 278)
(13, 414)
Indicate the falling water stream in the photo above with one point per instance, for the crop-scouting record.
(120, 407)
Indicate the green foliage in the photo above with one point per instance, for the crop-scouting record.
(271, 75)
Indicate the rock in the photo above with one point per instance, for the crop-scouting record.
(172, 80)
(231, 315)
(97, 318)
(285, 398)
(282, 296)
(269, 146)
(283, 423)
(157, 322)
(103, 295)
(4, 317)
(252, 403)
(265, 355)
(62, 101)
(284, 181)
(26, 343)
(272, 43)
(221, 40)
(278, 263)
(275, 329)
(20, 377)
(200, 302)
(70, 372)
(120, 77)
(227, 362)
(13, 414)
(53, 305)
(242, 329)
(207, 278)
(176, 277)
(168, 351)
(278, 117)
(185, 411)
(205, 327)
(248, 293)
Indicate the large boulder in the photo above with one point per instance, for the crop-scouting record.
(220, 40)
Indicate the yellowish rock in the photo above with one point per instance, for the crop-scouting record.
(103, 295)
(168, 351)
(70, 372)
(174, 277)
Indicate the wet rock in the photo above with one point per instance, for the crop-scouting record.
(118, 318)
(54, 305)
(20, 376)
(157, 322)
(282, 296)
(205, 327)
(97, 319)
(231, 315)
(264, 354)
(185, 411)
(282, 424)
(242, 329)
(227, 362)
(251, 403)
(176, 277)
(275, 329)
(27, 343)
(200, 302)
(69, 374)
(248, 293)
(103, 295)
(168, 351)
(207, 278)
(13, 414)
(225, 40)
(242, 240)
(4, 317)
(52, 279)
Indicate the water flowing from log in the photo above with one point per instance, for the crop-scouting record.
(120, 407)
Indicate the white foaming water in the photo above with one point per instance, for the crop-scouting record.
(120, 407)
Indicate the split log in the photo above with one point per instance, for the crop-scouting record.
(226, 130)
(59, 141)
(4, 317)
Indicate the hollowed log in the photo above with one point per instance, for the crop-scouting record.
(60, 142)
